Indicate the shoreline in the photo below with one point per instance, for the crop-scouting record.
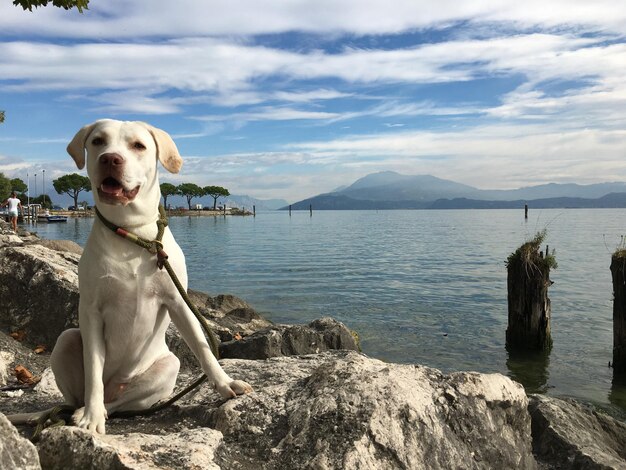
(170, 213)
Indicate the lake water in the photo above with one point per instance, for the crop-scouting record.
(425, 287)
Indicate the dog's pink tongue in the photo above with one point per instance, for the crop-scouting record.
(114, 189)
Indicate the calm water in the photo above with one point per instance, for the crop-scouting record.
(424, 287)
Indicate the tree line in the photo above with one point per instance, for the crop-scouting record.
(191, 190)
(73, 184)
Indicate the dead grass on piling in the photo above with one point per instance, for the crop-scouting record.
(529, 255)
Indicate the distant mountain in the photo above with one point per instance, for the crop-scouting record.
(391, 186)
(390, 190)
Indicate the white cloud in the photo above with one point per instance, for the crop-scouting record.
(117, 19)
(272, 114)
(133, 78)
(564, 120)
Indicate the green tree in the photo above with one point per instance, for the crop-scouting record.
(18, 185)
(5, 187)
(190, 190)
(80, 5)
(43, 199)
(72, 185)
(216, 192)
(167, 189)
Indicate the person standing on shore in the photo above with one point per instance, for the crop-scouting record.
(14, 204)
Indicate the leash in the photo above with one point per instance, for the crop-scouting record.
(156, 248)
(60, 415)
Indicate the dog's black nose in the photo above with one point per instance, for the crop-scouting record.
(111, 159)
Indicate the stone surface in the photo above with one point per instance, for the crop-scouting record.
(335, 410)
(16, 453)
(567, 434)
(75, 448)
(61, 245)
(38, 292)
(47, 385)
(229, 314)
(285, 340)
(14, 353)
(6, 359)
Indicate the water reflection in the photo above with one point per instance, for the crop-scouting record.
(617, 395)
(530, 368)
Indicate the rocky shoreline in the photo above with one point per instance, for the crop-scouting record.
(318, 402)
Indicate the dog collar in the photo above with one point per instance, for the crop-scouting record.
(153, 246)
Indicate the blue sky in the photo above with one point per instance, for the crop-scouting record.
(288, 99)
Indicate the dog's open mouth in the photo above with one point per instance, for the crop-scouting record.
(112, 191)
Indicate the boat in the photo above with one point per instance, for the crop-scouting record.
(52, 218)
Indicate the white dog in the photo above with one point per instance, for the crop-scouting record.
(118, 360)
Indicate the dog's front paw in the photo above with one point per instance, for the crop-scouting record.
(233, 388)
(92, 419)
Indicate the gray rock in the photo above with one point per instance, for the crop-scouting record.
(6, 359)
(283, 340)
(61, 245)
(15, 353)
(47, 385)
(38, 292)
(335, 410)
(229, 314)
(10, 239)
(16, 453)
(566, 434)
(75, 448)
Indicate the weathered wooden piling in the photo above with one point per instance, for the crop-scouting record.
(311, 210)
(525, 211)
(289, 210)
(528, 279)
(253, 210)
(618, 272)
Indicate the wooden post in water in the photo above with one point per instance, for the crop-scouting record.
(525, 211)
(289, 210)
(253, 210)
(528, 279)
(618, 272)
(311, 210)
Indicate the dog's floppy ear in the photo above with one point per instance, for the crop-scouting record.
(166, 149)
(76, 147)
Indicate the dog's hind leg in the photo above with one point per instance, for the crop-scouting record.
(144, 390)
(66, 361)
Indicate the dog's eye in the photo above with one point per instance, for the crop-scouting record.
(97, 141)
(139, 146)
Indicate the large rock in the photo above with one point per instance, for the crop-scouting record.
(14, 353)
(567, 434)
(16, 453)
(320, 335)
(38, 292)
(75, 448)
(336, 410)
(229, 313)
(61, 245)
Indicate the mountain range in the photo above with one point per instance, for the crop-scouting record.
(391, 190)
